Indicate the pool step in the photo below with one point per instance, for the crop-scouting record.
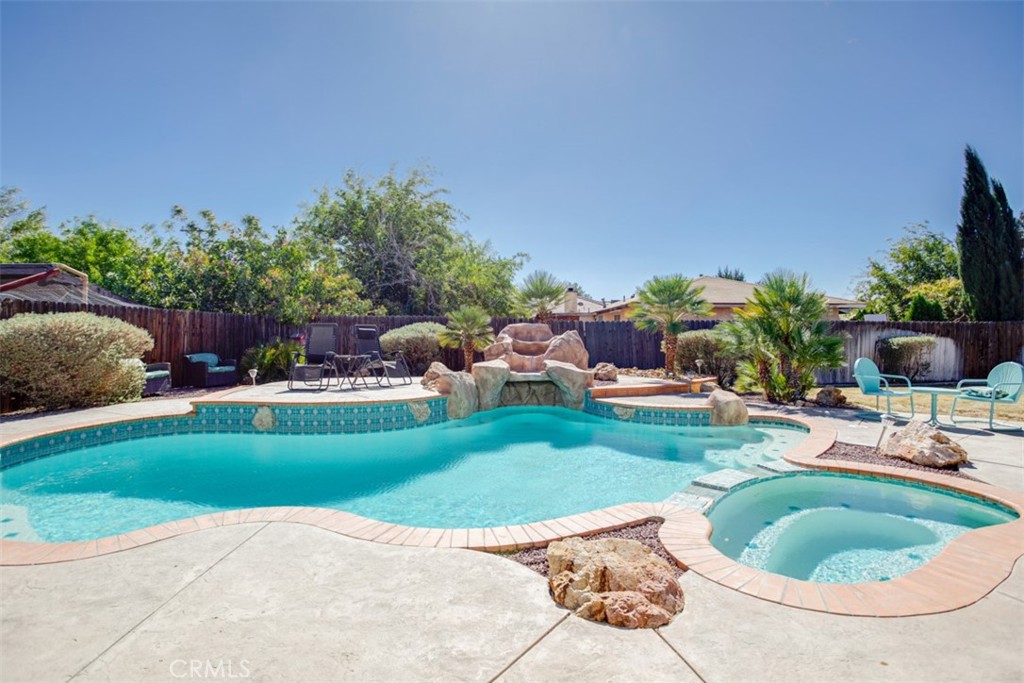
(690, 501)
(723, 480)
(780, 466)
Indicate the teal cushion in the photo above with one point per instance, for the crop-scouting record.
(210, 359)
(157, 374)
(986, 392)
(221, 368)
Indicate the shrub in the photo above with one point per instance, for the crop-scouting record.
(417, 342)
(272, 360)
(910, 356)
(922, 308)
(64, 360)
(707, 347)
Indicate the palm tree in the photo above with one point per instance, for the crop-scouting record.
(469, 329)
(541, 293)
(662, 305)
(782, 335)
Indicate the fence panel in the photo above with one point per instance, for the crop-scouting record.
(965, 349)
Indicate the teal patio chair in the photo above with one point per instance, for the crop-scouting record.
(1004, 384)
(872, 382)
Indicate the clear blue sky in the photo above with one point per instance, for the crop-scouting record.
(610, 141)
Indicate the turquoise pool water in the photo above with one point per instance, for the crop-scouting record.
(507, 466)
(842, 528)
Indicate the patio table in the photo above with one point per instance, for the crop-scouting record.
(350, 367)
(935, 393)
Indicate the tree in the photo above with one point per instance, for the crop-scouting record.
(782, 337)
(16, 219)
(662, 304)
(919, 259)
(731, 274)
(991, 245)
(468, 329)
(540, 293)
(397, 237)
(923, 308)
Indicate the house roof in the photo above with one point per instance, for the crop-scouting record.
(721, 292)
(51, 282)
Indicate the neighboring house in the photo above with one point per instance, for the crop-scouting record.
(724, 295)
(54, 282)
(576, 307)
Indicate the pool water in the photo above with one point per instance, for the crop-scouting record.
(833, 528)
(500, 467)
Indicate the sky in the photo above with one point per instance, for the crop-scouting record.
(610, 141)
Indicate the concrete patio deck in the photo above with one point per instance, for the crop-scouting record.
(273, 601)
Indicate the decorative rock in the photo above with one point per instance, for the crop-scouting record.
(727, 409)
(433, 372)
(264, 419)
(490, 376)
(606, 372)
(709, 387)
(571, 380)
(568, 348)
(420, 411)
(532, 394)
(923, 444)
(830, 397)
(617, 580)
(459, 387)
(525, 347)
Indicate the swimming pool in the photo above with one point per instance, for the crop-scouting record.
(500, 467)
(837, 528)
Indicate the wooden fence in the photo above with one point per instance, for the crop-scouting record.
(965, 349)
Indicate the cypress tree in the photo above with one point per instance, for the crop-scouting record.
(990, 248)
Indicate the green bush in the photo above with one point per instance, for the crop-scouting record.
(417, 342)
(70, 360)
(910, 356)
(706, 346)
(922, 308)
(272, 361)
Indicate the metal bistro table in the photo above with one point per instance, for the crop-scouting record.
(351, 368)
(935, 392)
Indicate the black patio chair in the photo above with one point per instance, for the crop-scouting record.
(319, 367)
(382, 366)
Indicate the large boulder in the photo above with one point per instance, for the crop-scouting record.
(572, 381)
(727, 409)
(459, 387)
(490, 376)
(617, 580)
(525, 347)
(923, 444)
(568, 347)
(606, 372)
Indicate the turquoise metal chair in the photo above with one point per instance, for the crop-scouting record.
(872, 382)
(1004, 384)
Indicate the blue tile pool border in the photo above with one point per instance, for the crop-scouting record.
(239, 418)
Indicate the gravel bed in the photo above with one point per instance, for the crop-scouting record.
(645, 532)
(870, 455)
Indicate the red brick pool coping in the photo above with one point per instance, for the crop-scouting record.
(968, 569)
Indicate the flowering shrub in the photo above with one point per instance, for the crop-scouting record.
(63, 360)
(417, 342)
(707, 347)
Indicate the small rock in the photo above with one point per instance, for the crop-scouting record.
(923, 444)
(727, 409)
(606, 372)
(709, 387)
(830, 397)
(433, 372)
